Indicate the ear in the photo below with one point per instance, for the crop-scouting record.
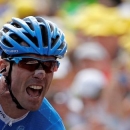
(3, 64)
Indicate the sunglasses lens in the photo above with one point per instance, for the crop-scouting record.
(50, 66)
(29, 64)
(32, 65)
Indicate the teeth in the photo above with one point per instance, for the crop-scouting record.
(36, 87)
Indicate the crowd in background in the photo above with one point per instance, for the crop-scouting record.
(91, 90)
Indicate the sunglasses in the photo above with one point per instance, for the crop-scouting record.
(32, 64)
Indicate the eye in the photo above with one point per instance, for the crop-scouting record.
(47, 64)
(32, 62)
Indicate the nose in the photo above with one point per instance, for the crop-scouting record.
(39, 74)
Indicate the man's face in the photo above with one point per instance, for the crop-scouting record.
(30, 87)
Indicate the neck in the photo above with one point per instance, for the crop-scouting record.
(10, 108)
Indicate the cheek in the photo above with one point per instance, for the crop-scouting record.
(18, 77)
(18, 72)
(49, 78)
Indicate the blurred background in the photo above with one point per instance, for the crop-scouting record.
(91, 90)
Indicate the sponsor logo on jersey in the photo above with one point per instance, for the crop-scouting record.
(20, 128)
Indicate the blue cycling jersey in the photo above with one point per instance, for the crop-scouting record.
(46, 118)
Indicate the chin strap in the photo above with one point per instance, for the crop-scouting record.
(8, 81)
(3, 70)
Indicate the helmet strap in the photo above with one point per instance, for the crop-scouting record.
(8, 81)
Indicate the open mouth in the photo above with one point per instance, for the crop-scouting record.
(34, 91)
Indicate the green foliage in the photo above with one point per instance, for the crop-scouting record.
(72, 5)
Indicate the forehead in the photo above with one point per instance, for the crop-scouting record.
(39, 56)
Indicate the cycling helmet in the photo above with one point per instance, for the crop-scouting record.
(33, 35)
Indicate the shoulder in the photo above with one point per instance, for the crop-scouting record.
(47, 117)
(47, 110)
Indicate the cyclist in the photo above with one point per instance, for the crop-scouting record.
(29, 51)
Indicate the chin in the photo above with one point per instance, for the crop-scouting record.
(34, 108)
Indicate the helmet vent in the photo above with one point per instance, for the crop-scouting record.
(61, 46)
(5, 42)
(44, 36)
(16, 25)
(19, 40)
(33, 39)
(54, 41)
(30, 25)
(5, 30)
